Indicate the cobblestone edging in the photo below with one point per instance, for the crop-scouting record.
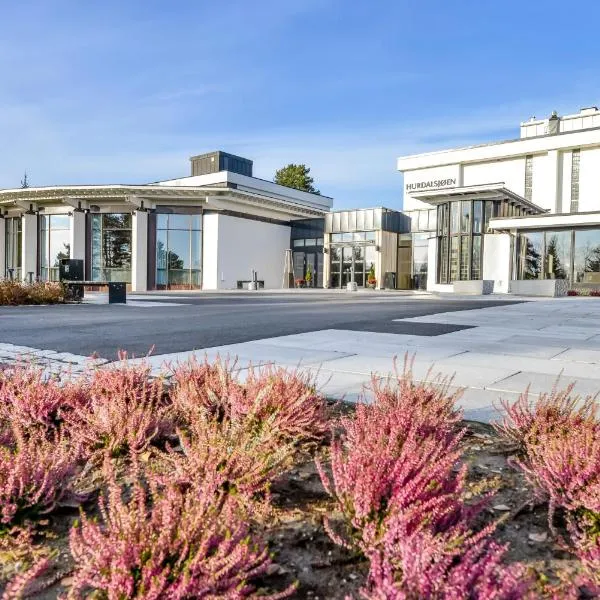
(51, 361)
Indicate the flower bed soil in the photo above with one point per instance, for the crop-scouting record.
(302, 550)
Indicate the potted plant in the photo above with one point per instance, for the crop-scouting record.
(299, 282)
(371, 280)
(308, 276)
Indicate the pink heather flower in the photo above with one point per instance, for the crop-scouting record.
(426, 566)
(125, 411)
(565, 468)
(28, 397)
(387, 465)
(165, 543)
(20, 586)
(245, 459)
(286, 400)
(556, 412)
(37, 472)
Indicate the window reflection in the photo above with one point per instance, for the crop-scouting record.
(13, 247)
(587, 256)
(111, 247)
(178, 252)
(530, 255)
(55, 244)
(558, 254)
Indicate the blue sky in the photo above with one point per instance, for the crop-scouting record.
(125, 91)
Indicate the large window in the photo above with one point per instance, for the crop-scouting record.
(460, 229)
(558, 254)
(178, 251)
(586, 256)
(531, 252)
(13, 248)
(54, 244)
(547, 254)
(111, 247)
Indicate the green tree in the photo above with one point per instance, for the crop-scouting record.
(296, 176)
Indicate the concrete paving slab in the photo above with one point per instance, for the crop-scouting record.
(533, 350)
(580, 355)
(539, 382)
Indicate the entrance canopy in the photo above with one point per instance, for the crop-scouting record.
(488, 191)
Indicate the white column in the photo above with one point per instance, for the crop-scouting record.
(554, 183)
(211, 274)
(432, 256)
(139, 251)
(2, 248)
(77, 234)
(29, 247)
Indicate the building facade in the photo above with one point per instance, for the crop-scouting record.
(209, 231)
(522, 209)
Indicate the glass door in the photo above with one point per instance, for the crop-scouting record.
(347, 265)
(311, 270)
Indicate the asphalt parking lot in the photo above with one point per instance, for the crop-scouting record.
(167, 323)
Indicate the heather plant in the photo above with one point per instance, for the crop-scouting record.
(28, 397)
(245, 459)
(125, 412)
(21, 585)
(429, 566)
(384, 467)
(37, 473)
(166, 542)
(432, 405)
(201, 387)
(554, 413)
(564, 467)
(286, 400)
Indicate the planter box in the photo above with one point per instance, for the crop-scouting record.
(473, 287)
(551, 288)
(352, 286)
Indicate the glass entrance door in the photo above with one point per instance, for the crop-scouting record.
(351, 263)
(347, 265)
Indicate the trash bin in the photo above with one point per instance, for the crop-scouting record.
(70, 269)
(117, 292)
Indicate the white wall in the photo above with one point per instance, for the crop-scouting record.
(241, 245)
(440, 177)
(496, 260)
(139, 254)
(77, 234)
(589, 180)
(567, 162)
(511, 172)
(210, 246)
(29, 245)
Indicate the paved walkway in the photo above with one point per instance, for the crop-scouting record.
(504, 349)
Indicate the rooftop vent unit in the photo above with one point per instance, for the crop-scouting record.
(553, 123)
(588, 110)
(213, 162)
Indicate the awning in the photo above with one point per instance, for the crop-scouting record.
(488, 191)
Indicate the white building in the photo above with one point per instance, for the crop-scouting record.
(207, 231)
(515, 211)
